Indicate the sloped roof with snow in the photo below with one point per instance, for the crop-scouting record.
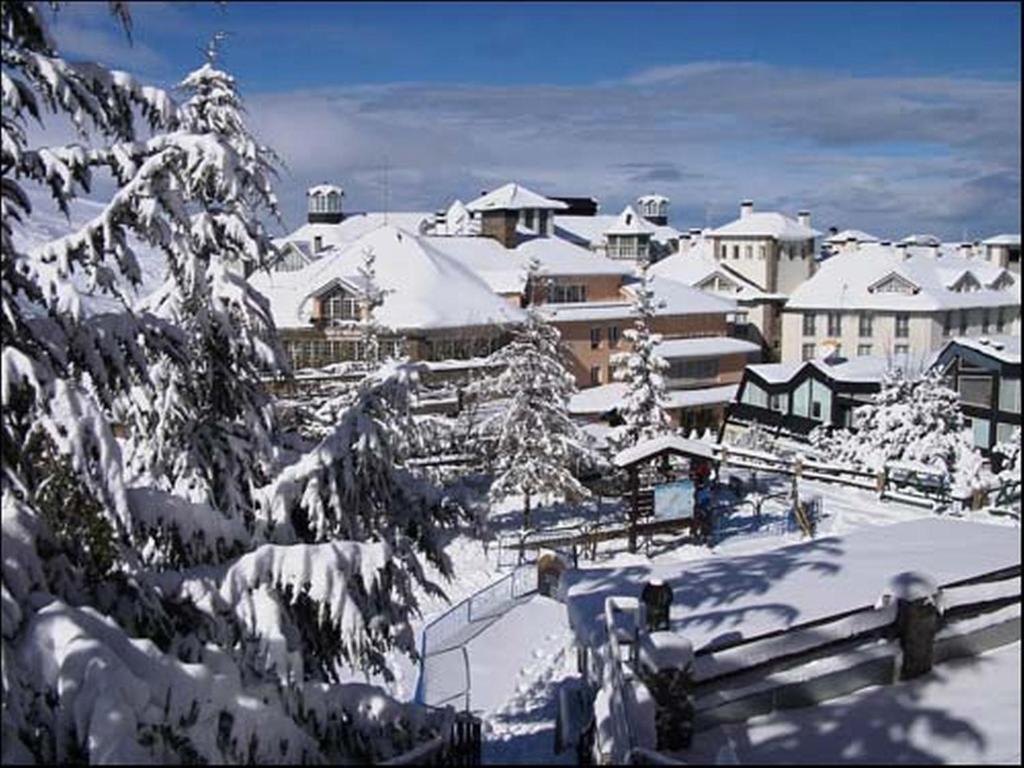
(921, 240)
(423, 287)
(629, 222)
(514, 197)
(697, 265)
(354, 226)
(766, 224)
(1002, 240)
(675, 298)
(845, 281)
(851, 234)
(605, 397)
(590, 230)
(1002, 347)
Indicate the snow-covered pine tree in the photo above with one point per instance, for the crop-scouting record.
(108, 653)
(912, 420)
(643, 410)
(537, 442)
(207, 432)
(370, 329)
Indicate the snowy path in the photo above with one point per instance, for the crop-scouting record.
(517, 667)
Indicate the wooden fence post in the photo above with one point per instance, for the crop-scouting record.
(917, 621)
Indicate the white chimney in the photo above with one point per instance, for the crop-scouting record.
(804, 217)
(746, 208)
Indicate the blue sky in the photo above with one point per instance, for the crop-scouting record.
(890, 117)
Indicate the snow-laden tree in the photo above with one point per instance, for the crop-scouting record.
(915, 420)
(642, 369)
(537, 444)
(206, 433)
(1009, 454)
(141, 625)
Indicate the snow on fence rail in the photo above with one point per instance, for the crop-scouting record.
(444, 661)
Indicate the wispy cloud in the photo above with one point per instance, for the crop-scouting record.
(889, 154)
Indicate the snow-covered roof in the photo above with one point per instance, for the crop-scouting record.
(710, 346)
(514, 197)
(588, 311)
(656, 445)
(674, 298)
(629, 222)
(1003, 240)
(851, 280)
(560, 257)
(590, 230)
(766, 224)
(423, 287)
(324, 189)
(851, 234)
(865, 368)
(697, 265)
(921, 240)
(1002, 347)
(354, 226)
(605, 397)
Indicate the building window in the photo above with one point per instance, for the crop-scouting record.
(863, 350)
(816, 409)
(613, 336)
(865, 325)
(776, 403)
(985, 321)
(724, 251)
(595, 375)
(735, 251)
(963, 322)
(976, 390)
(807, 352)
(568, 294)
(809, 323)
(693, 369)
(835, 324)
(762, 251)
(902, 325)
(528, 218)
(902, 350)
(595, 337)
(1000, 320)
(748, 251)
(947, 323)
(1009, 395)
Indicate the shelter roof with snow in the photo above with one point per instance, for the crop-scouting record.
(766, 224)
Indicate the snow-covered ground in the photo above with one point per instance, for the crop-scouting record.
(518, 664)
(964, 711)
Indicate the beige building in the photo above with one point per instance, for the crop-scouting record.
(774, 252)
(899, 301)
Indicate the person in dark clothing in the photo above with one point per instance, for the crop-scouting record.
(656, 597)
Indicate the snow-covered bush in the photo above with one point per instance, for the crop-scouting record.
(1009, 454)
(173, 620)
(643, 411)
(537, 442)
(915, 421)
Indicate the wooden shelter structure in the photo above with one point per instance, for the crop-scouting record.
(633, 459)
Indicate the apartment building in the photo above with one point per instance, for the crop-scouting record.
(903, 301)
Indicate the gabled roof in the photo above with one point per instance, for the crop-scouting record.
(1002, 347)
(354, 226)
(590, 230)
(843, 282)
(423, 288)
(894, 277)
(696, 266)
(514, 197)
(629, 222)
(766, 224)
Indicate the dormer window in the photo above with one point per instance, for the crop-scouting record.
(893, 283)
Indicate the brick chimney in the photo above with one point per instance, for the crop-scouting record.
(501, 225)
(746, 208)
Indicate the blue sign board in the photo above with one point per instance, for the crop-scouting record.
(673, 500)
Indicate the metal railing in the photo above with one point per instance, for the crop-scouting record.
(443, 653)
